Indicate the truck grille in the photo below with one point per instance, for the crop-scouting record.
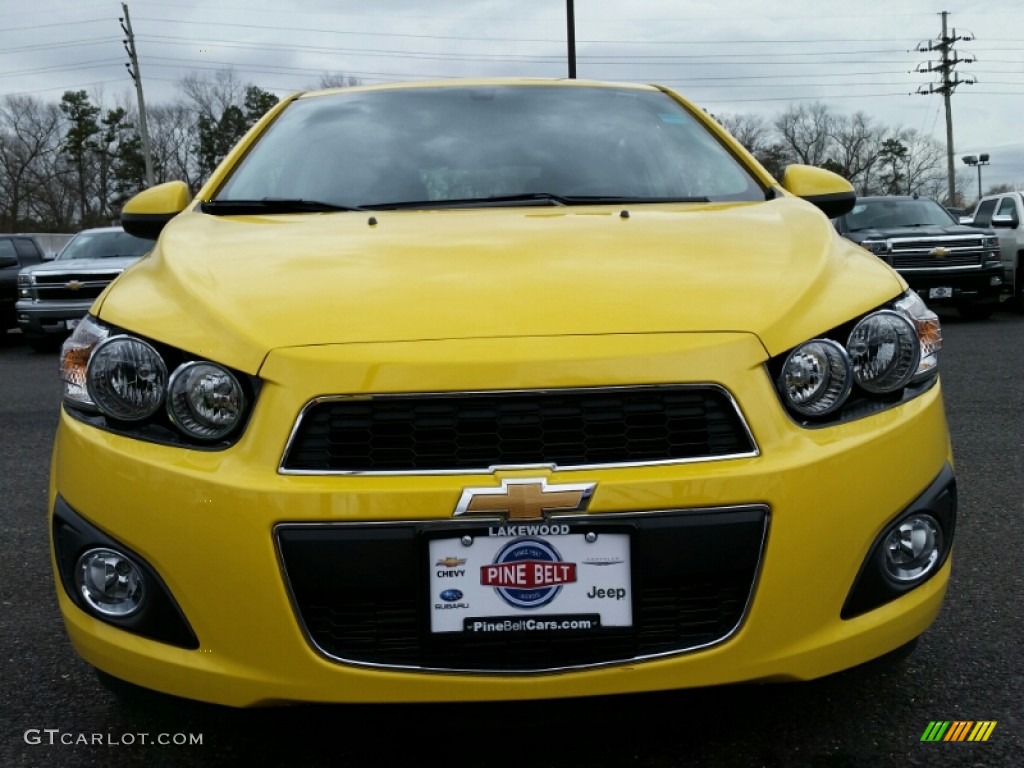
(361, 593)
(937, 252)
(71, 286)
(475, 431)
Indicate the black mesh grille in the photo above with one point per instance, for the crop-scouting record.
(476, 431)
(361, 592)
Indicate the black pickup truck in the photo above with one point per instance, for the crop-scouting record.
(944, 261)
(16, 251)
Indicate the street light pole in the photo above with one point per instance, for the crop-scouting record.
(570, 20)
(977, 160)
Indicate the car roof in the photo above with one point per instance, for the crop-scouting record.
(482, 82)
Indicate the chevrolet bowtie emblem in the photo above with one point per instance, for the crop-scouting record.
(940, 253)
(73, 285)
(525, 499)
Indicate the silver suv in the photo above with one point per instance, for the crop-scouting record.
(55, 295)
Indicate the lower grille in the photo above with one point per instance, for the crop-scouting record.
(361, 593)
(475, 431)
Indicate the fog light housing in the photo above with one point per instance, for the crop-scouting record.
(110, 583)
(913, 548)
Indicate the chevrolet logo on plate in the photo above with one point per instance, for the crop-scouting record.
(525, 499)
(939, 253)
(73, 285)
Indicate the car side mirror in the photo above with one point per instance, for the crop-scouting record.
(833, 194)
(146, 214)
(8, 261)
(1008, 221)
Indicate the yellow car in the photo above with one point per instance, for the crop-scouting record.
(497, 390)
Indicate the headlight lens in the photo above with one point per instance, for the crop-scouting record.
(816, 377)
(126, 378)
(205, 400)
(877, 247)
(885, 352)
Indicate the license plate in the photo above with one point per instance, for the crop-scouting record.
(550, 582)
(72, 324)
(940, 293)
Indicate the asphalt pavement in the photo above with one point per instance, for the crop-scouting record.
(968, 666)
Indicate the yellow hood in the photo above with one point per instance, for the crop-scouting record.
(232, 288)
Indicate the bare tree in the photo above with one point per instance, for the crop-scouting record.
(806, 130)
(211, 98)
(338, 80)
(29, 140)
(855, 144)
(926, 165)
(174, 136)
(750, 130)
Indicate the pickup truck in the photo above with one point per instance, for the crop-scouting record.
(16, 251)
(946, 262)
(1003, 213)
(54, 296)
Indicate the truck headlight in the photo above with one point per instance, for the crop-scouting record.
(25, 283)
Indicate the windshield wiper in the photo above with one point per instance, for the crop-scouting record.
(270, 205)
(531, 198)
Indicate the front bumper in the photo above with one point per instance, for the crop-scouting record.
(43, 319)
(976, 286)
(209, 523)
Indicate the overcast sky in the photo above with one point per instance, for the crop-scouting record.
(729, 56)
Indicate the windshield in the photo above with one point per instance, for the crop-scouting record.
(896, 213)
(104, 245)
(433, 145)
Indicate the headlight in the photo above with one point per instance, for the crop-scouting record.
(143, 389)
(990, 242)
(25, 283)
(126, 378)
(205, 400)
(884, 351)
(861, 363)
(816, 378)
(877, 247)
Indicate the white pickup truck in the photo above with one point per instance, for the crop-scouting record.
(1004, 213)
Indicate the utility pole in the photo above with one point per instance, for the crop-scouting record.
(133, 70)
(950, 80)
(570, 21)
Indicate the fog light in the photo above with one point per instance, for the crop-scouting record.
(913, 547)
(109, 582)
(995, 281)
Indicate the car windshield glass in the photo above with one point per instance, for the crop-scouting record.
(104, 245)
(526, 144)
(895, 213)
